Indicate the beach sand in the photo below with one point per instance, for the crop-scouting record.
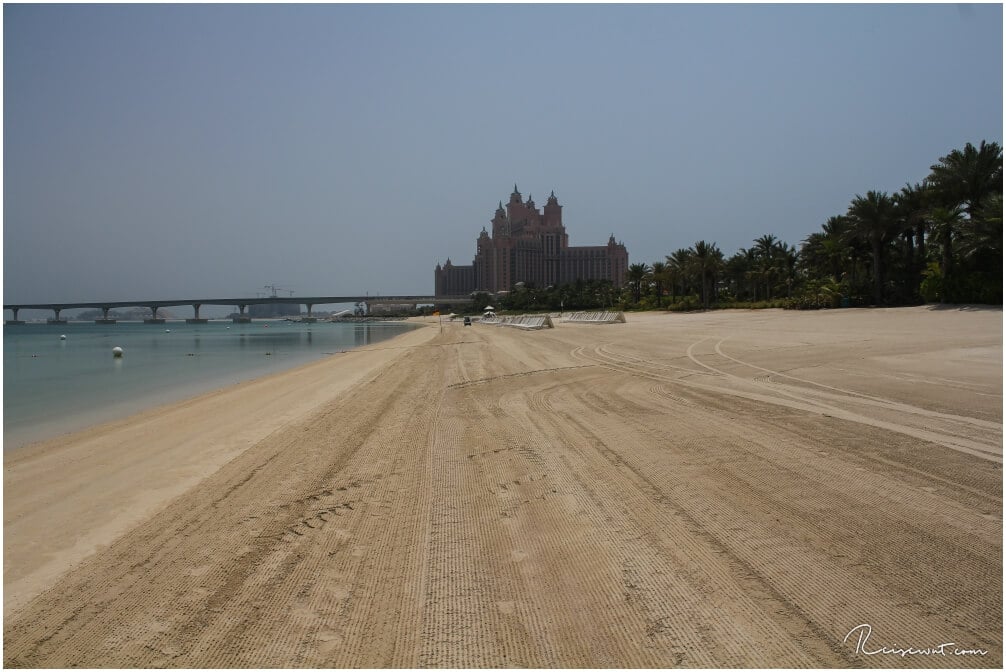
(732, 488)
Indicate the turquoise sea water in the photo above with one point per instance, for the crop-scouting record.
(52, 386)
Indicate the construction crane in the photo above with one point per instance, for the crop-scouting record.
(276, 289)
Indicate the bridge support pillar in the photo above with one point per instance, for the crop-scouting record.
(196, 319)
(104, 319)
(242, 318)
(309, 317)
(153, 319)
(15, 320)
(56, 320)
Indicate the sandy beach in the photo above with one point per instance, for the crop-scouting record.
(722, 489)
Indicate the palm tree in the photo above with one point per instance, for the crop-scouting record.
(913, 208)
(813, 254)
(737, 270)
(679, 263)
(717, 262)
(765, 249)
(766, 244)
(705, 258)
(828, 253)
(967, 177)
(873, 220)
(751, 270)
(946, 224)
(787, 257)
(984, 237)
(659, 273)
(637, 275)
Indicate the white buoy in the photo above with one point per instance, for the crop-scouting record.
(116, 351)
(62, 337)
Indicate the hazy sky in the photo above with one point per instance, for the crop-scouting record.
(194, 151)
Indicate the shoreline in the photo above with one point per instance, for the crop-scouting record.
(135, 465)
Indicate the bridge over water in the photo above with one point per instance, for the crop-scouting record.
(241, 304)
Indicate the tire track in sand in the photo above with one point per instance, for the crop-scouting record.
(780, 554)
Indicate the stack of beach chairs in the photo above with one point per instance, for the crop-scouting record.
(597, 317)
(520, 321)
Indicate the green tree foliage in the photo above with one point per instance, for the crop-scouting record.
(938, 240)
(678, 268)
(637, 275)
(967, 177)
(707, 261)
(873, 222)
(966, 216)
(659, 273)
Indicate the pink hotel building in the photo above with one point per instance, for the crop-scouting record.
(530, 246)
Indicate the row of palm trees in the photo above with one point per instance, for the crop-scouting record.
(937, 240)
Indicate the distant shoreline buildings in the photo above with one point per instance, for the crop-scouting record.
(530, 246)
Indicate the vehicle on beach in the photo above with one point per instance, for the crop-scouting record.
(468, 321)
